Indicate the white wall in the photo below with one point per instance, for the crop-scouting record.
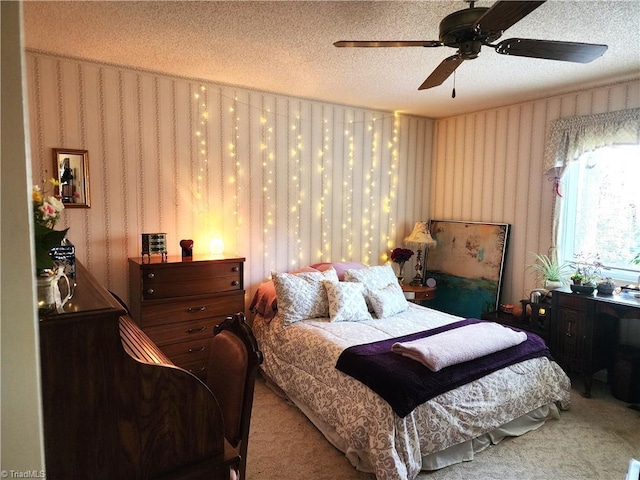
(488, 167)
(285, 181)
(20, 412)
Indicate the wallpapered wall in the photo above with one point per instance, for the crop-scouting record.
(284, 181)
(488, 167)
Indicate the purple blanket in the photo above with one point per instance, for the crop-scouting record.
(406, 383)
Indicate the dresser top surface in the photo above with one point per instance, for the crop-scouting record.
(177, 259)
(623, 298)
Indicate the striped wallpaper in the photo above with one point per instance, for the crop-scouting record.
(284, 181)
(288, 181)
(488, 167)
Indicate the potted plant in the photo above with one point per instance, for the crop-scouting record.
(606, 286)
(587, 270)
(577, 278)
(551, 273)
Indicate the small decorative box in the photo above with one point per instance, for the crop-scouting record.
(153, 243)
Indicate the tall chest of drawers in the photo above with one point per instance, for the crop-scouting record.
(177, 303)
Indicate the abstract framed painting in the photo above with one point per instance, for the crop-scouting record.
(467, 264)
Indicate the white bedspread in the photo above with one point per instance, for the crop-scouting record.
(301, 359)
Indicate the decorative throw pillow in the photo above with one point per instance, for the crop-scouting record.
(374, 277)
(341, 267)
(302, 295)
(346, 301)
(388, 300)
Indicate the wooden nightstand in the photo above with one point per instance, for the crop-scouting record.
(537, 322)
(178, 302)
(418, 294)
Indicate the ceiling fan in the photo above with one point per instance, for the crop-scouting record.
(469, 29)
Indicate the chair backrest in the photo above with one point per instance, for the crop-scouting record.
(233, 363)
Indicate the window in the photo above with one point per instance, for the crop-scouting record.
(600, 211)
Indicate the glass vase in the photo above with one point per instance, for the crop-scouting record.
(400, 273)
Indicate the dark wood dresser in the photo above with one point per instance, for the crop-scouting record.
(177, 303)
(584, 330)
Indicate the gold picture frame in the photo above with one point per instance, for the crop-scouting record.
(71, 169)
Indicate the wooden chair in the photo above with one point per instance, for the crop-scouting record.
(233, 364)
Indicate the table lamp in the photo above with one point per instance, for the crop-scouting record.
(420, 236)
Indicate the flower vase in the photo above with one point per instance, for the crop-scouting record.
(400, 274)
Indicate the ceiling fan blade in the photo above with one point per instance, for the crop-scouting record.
(551, 50)
(442, 72)
(504, 14)
(389, 43)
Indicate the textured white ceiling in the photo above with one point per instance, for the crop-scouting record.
(286, 47)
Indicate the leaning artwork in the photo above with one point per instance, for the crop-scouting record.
(467, 264)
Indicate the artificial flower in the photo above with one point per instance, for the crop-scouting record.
(46, 213)
(401, 255)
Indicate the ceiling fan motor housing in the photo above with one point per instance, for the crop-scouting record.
(457, 30)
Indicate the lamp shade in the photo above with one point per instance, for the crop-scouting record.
(421, 234)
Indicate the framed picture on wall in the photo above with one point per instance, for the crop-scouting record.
(71, 169)
(467, 263)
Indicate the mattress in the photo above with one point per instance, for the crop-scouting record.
(300, 359)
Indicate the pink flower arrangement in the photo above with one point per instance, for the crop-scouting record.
(46, 213)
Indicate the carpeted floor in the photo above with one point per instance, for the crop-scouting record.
(594, 440)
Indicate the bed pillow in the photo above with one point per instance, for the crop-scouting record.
(341, 267)
(346, 301)
(265, 300)
(302, 295)
(374, 277)
(388, 300)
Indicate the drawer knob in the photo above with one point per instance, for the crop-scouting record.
(196, 330)
(196, 309)
(196, 371)
(235, 269)
(196, 350)
(235, 283)
(151, 275)
(151, 291)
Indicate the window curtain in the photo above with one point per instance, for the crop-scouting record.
(573, 136)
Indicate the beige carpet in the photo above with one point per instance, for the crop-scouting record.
(594, 440)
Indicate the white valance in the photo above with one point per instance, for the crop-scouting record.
(571, 137)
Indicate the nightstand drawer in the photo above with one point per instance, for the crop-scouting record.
(184, 310)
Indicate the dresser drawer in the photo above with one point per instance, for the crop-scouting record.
(199, 369)
(183, 331)
(190, 272)
(158, 281)
(153, 290)
(184, 310)
(573, 301)
(188, 352)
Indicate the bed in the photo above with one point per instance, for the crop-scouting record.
(300, 358)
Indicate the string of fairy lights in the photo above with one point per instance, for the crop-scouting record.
(313, 153)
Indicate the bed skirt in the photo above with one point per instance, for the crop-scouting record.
(463, 452)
